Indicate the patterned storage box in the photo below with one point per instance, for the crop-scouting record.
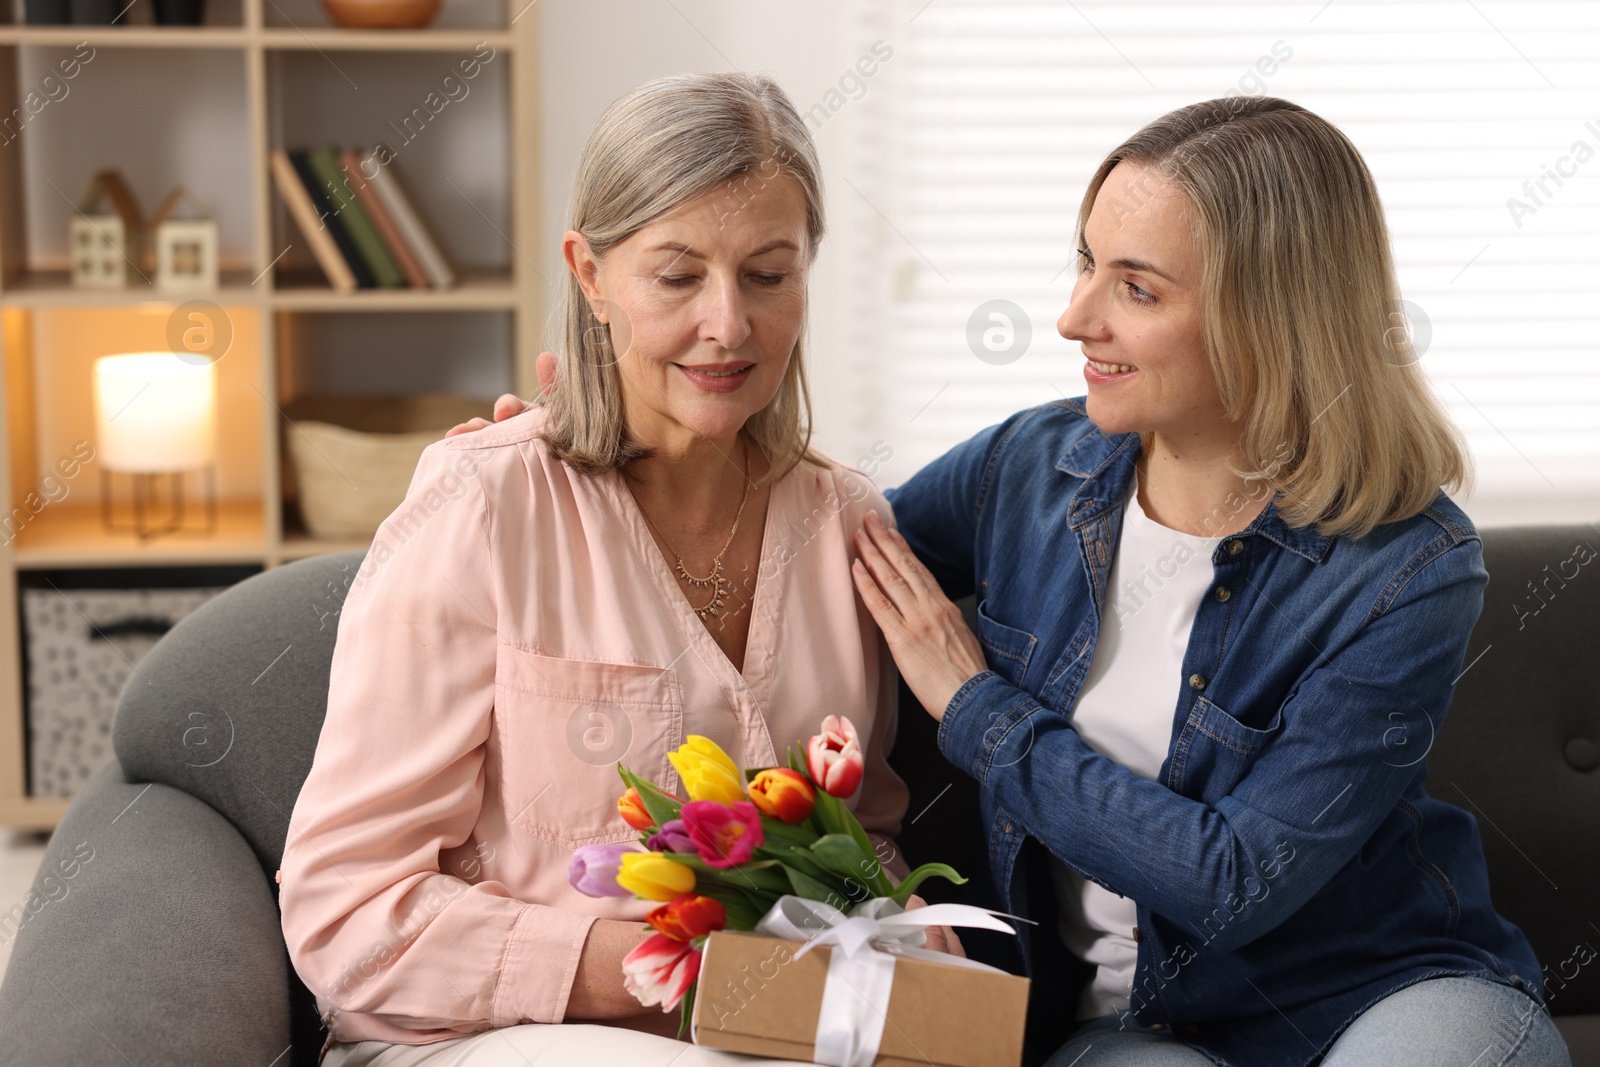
(84, 633)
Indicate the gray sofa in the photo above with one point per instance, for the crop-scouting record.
(162, 945)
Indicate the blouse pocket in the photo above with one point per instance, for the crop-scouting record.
(1216, 750)
(1007, 648)
(563, 726)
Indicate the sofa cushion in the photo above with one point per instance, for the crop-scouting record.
(229, 705)
(1516, 744)
(155, 940)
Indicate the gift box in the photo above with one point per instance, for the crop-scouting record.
(755, 996)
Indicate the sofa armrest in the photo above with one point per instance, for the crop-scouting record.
(150, 936)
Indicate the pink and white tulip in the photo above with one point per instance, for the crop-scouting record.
(660, 971)
(834, 758)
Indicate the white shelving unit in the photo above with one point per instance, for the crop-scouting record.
(294, 75)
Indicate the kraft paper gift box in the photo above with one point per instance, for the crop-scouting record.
(755, 997)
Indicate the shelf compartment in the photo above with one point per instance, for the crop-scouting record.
(140, 112)
(53, 350)
(448, 138)
(353, 355)
(453, 15)
(136, 18)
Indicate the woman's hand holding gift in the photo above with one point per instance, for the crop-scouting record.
(932, 645)
(940, 938)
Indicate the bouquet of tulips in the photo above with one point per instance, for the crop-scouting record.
(720, 859)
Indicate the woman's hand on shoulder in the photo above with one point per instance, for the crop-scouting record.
(508, 405)
(933, 646)
(505, 407)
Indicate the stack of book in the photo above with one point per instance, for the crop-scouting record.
(360, 224)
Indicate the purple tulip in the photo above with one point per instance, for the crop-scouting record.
(673, 837)
(594, 870)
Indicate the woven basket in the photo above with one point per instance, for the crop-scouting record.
(353, 456)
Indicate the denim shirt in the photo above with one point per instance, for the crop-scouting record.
(1288, 867)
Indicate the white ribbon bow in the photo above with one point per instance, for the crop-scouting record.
(855, 998)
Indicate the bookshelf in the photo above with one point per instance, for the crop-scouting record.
(259, 75)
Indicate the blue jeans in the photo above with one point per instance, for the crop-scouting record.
(1440, 1022)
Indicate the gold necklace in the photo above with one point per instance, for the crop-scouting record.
(719, 582)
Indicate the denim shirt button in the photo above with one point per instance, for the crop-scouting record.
(1008, 828)
(1235, 547)
(1197, 681)
(1222, 592)
(1138, 935)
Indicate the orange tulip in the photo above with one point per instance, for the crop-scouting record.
(783, 794)
(633, 811)
(687, 917)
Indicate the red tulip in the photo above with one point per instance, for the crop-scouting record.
(783, 794)
(834, 757)
(725, 835)
(633, 810)
(660, 971)
(689, 916)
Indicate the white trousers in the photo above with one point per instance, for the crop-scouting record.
(544, 1045)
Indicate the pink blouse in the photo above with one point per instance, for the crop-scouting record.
(512, 633)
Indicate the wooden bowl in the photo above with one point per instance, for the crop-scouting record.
(381, 14)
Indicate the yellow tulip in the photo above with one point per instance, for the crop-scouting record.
(654, 877)
(707, 771)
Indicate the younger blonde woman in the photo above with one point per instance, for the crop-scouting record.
(1224, 601)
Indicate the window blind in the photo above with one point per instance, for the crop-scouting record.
(1480, 123)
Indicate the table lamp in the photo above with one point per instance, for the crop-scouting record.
(155, 414)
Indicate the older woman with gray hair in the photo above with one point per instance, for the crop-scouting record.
(652, 552)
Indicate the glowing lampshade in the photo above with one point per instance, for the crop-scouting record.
(154, 412)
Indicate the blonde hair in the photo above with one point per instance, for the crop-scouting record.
(665, 143)
(1303, 323)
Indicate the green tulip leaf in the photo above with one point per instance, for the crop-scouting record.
(813, 889)
(686, 1008)
(781, 833)
(840, 854)
(838, 819)
(801, 858)
(903, 891)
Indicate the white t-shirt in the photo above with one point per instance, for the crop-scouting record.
(1125, 710)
